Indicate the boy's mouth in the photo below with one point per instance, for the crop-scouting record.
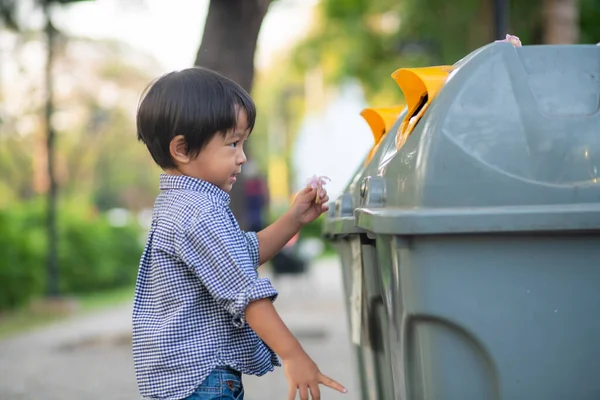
(233, 178)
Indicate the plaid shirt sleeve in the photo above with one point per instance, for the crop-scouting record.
(253, 248)
(225, 259)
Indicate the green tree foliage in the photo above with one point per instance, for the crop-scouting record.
(356, 39)
(590, 21)
(369, 39)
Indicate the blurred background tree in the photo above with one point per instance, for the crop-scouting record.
(84, 96)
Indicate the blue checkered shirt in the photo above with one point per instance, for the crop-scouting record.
(197, 274)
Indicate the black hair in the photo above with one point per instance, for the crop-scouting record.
(197, 103)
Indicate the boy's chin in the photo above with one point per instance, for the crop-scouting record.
(227, 187)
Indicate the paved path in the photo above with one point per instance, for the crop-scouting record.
(89, 357)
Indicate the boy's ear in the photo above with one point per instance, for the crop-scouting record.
(178, 150)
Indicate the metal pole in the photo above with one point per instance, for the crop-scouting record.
(501, 10)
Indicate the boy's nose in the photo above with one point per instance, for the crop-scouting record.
(242, 158)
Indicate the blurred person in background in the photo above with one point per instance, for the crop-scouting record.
(257, 197)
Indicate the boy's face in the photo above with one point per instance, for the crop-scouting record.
(220, 162)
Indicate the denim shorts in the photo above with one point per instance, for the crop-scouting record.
(223, 383)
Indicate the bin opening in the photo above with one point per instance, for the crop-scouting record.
(420, 105)
(380, 120)
(420, 86)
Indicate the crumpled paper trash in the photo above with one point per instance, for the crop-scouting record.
(515, 41)
(317, 182)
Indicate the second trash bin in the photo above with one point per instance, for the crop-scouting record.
(368, 335)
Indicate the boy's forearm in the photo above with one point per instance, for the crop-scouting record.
(264, 320)
(275, 236)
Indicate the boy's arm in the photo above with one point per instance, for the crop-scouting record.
(301, 372)
(264, 320)
(275, 236)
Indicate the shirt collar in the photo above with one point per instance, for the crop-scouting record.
(183, 182)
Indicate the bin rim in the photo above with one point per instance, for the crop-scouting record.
(496, 219)
(342, 226)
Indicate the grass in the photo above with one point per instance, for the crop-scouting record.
(24, 319)
(93, 301)
(20, 321)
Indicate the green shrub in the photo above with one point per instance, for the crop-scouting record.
(95, 255)
(92, 254)
(21, 261)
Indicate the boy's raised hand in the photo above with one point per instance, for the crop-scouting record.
(305, 207)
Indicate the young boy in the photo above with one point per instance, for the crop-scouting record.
(202, 316)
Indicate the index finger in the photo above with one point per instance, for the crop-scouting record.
(327, 381)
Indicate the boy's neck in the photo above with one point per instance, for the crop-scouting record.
(172, 171)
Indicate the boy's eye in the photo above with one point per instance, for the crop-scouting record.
(234, 144)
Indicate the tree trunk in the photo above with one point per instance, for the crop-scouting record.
(52, 260)
(230, 36)
(561, 20)
(228, 47)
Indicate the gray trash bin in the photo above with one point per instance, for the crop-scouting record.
(486, 224)
(367, 325)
